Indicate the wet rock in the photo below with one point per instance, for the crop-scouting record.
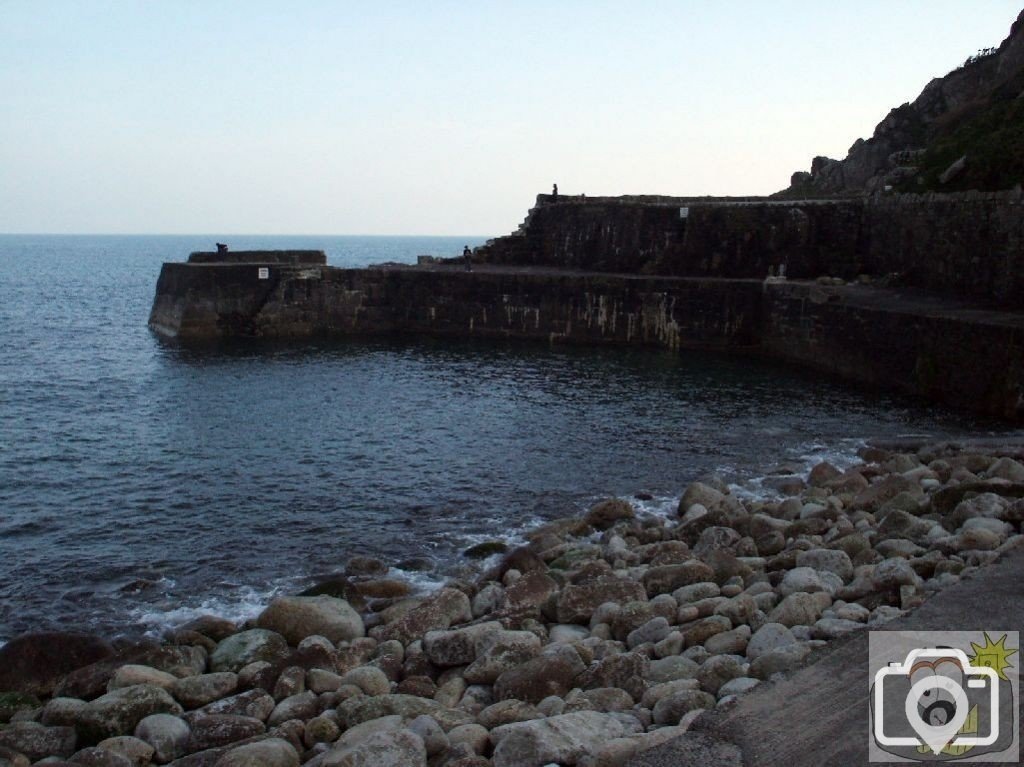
(606, 513)
(248, 647)
(211, 626)
(369, 679)
(296, 618)
(34, 663)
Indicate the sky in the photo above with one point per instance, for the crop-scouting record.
(306, 117)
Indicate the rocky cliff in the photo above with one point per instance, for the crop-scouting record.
(965, 131)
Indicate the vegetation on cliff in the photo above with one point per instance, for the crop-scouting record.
(965, 131)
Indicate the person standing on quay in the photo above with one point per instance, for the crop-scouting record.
(554, 191)
(467, 255)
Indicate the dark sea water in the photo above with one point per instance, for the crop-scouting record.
(141, 482)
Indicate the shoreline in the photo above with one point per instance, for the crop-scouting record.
(608, 633)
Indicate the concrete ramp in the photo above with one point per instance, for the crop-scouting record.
(819, 715)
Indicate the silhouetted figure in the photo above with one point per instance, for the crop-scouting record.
(222, 248)
(467, 256)
(554, 191)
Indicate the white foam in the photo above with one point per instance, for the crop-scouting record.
(246, 603)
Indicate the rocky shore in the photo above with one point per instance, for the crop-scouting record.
(604, 636)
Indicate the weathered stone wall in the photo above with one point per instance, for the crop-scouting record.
(213, 302)
(968, 244)
(962, 358)
(258, 257)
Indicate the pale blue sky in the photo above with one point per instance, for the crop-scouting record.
(437, 117)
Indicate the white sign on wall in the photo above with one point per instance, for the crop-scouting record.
(684, 213)
(264, 273)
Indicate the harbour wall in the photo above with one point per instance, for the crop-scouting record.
(936, 349)
(968, 244)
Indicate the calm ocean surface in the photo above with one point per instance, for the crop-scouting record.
(141, 482)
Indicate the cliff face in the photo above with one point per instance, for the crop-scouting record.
(965, 131)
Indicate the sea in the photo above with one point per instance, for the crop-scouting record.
(143, 482)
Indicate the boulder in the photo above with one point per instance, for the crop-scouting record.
(168, 735)
(549, 674)
(197, 691)
(502, 651)
(829, 560)
(300, 706)
(296, 618)
(563, 739)
(36, 741)
(779, 660)
(801, 579)
(507, 712)
(246, 647)
(370, 679)
(35, 663)
(132, 674)
(799, 609)
(374, 707)
(100, 757)
(136, 751)
(218, 730)
(671, 669)
(442, 610)
(119, 711)
(577, 602)
(396, 748)
(719, 669)
(670, 709)
(255, 703)
(668, 578)
(457, 647)
(606, 513)
(272, 752)
(769, 637)
(626, 671)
